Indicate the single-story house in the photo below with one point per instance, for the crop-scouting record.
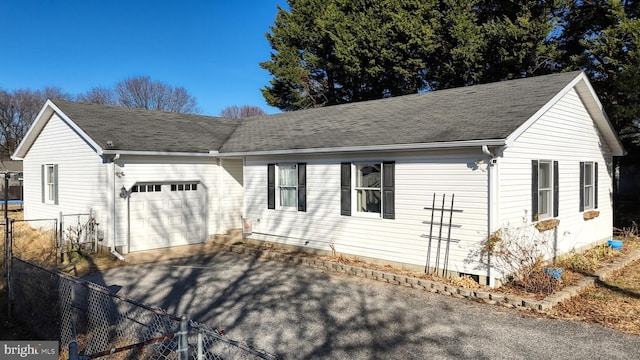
(359, 179)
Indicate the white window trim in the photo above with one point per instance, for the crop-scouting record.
(48, 184)
(589, 188)
(354, 191)
(550, 200)
(279, 206)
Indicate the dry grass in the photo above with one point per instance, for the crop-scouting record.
(615, 302)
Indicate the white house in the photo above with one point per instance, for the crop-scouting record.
(352, 178)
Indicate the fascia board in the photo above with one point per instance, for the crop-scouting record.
(596, 110)
(42, 119)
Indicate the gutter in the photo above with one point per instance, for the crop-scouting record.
(117, 153)
(112, 174)
(492, 204)
(367, 148)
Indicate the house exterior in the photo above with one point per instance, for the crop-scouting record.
(359, 179)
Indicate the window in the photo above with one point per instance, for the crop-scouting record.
(50, 183)
(184, 187)
(545, 189)
(146, 188)
(373, 189)
(368, 187)
(545, 195)
(288, 185)
(289, 182)
(588, 185)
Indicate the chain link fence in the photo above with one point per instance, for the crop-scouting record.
(97, 323)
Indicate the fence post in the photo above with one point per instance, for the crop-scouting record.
(73, 350)
(200, 345)
(7, 245)
(59, 240)
(183, 343)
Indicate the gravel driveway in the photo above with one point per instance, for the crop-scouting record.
(301, 313)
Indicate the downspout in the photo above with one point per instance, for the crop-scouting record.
(112, 174)
(491, 205)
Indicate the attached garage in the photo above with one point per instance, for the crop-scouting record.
(166, 214)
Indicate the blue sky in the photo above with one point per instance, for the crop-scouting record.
(211, 48)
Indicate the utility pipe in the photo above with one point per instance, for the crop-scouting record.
(491, 204)
(112, 171)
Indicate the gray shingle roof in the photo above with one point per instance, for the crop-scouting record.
(481, 112)
(146, 130)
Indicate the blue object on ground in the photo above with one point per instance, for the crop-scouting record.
(555, 272)
(12, 202)
(615, 244)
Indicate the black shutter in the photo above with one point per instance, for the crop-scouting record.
(271, 186)
(345, 189)
(44, 180)
(55, 184)
(388, 190)
(556, 189)
(302, 187)
(595, 185)
(581, 186)
(534, 190)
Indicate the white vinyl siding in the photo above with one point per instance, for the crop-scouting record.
(402, 240)
(231, 196)
(567, 134)
(80, 177)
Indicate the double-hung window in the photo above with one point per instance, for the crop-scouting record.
(370, 190)
(50, 183)
(368, 187)
(588, 186)
(544, 189)
(286, 186)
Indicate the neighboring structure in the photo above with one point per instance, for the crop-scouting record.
(14, 169)
(353, 178)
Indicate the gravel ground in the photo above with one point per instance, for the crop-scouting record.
(302, 313)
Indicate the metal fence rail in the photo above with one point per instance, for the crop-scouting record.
(99, 323)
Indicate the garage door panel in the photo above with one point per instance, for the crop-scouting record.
(175, 204)
(167, 218)
(175, 220)
(135, 206)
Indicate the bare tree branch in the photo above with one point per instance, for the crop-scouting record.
(141, 92)
(239, 112)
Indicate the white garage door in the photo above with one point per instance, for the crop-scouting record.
(163, 215)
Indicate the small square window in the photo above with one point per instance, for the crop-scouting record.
(194, 187)
(187, 187)
(158, 188)
(134, 188)
(180, 187)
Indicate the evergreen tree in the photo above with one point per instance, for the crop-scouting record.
(339, 51)
(330, 52)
